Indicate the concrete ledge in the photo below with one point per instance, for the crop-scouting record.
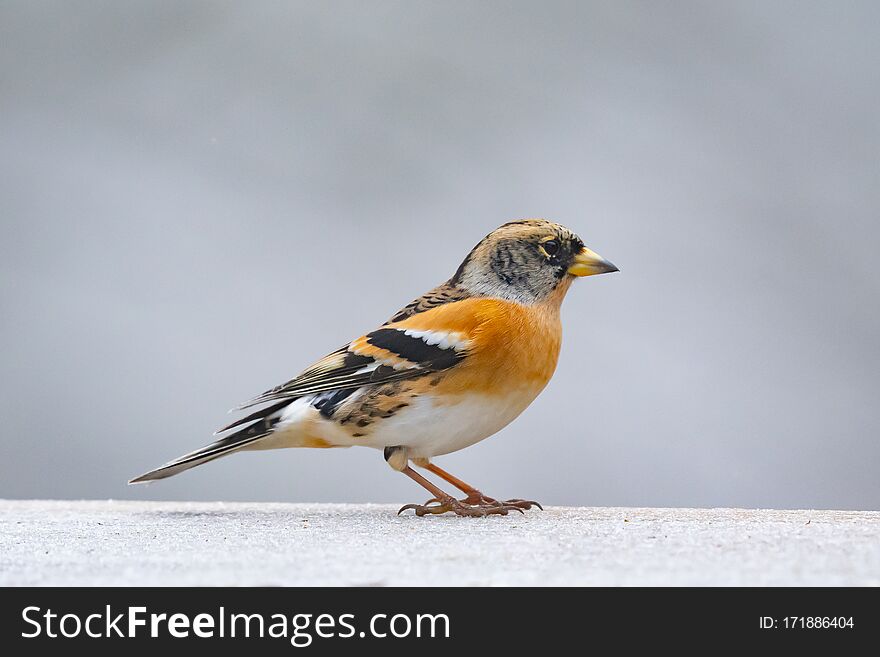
(182, 543)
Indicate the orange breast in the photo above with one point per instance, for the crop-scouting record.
(513, 347)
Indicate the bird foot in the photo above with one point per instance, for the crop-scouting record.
(472, 506)
(478, 498)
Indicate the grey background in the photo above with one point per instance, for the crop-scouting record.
(200, 199)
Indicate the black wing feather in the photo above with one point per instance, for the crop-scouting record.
(346, 370)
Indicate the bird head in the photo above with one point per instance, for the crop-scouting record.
(527, 261)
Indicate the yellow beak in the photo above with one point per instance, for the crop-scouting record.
(588, 263)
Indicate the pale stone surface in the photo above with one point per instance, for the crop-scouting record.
(181, 543)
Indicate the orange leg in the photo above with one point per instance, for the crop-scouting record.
(474, 496)
(443, 502)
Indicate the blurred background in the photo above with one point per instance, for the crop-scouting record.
(190, 192)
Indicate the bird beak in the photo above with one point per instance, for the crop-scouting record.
(589, 263)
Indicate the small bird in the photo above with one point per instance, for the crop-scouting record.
(451, 368)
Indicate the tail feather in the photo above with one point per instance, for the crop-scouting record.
(215, 450)
(259, 415)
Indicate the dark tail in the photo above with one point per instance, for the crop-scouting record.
(221, 447)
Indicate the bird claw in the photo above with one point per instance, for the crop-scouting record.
(523, 504)
(469, 507)
(407, 507)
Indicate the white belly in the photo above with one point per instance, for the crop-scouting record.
(430, 429)
(425, 427)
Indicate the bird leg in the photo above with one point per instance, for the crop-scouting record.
(473, 495)
(442, 502)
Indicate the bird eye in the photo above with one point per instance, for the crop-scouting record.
(551, 247)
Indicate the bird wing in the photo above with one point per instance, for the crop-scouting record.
(413, 347)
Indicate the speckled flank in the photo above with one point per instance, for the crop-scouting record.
(381, 401)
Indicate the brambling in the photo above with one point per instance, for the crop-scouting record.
(451, 368)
